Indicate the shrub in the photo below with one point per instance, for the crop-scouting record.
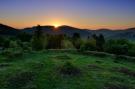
(38, 39)
(66, 44)
(69, 69)
(12, 53)
(89, 45)
(76, 40)
(119, 47)
(131, 51)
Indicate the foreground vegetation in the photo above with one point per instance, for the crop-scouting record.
(65, 70)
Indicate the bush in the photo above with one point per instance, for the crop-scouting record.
(119, 47)
(76, 40)
(131, 51)
(12, 53)
(66, 44)
(69, 69)
(89, 45)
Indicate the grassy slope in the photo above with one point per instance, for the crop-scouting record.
(96, 72)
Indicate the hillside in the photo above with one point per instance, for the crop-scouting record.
(110, 34)
(68, 30)
(7, 30)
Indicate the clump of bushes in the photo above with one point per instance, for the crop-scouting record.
(20, 79)
(12, 53)
(69, 69)
(89, 45)
(119, 47)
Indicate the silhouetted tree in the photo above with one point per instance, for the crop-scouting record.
(76, 40)
(54, 41)
(38, 41)
(100, 41)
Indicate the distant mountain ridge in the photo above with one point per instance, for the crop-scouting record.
(69, 31)
(7, 30)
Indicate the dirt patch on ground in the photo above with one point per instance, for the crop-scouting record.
(20, 79)
(69, 69)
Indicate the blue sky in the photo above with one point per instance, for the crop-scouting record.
(94, 14)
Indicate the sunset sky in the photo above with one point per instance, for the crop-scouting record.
(90, 14)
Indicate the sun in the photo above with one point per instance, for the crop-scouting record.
(56, 25)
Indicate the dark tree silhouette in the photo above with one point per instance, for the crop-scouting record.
(38, 39)
(76, 40)
(100, 41)
(54, 41)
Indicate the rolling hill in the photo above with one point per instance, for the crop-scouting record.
(7, 30)
(69, 31)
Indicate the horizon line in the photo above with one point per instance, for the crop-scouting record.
(69, 26)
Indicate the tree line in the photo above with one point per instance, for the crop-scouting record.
(40, 41)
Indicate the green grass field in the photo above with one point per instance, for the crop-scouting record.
(41, 70)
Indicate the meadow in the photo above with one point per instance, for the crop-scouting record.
(65, 70)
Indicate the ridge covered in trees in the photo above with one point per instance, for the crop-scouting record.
(41, 41)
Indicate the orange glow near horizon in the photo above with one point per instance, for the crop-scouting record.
(56, 25)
